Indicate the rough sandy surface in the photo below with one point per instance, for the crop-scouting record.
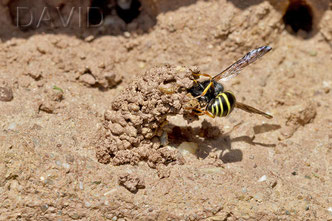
(58, 86)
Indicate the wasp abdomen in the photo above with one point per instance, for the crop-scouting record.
(222, 105)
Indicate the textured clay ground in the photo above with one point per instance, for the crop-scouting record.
(60, 89)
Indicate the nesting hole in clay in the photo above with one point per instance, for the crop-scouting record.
(299, 16)
(176, 135)
(128, 14)
(98, 11)
(127, 10)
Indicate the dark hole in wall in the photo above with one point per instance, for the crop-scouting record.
(129, 14)
(175, 134)
(127, 10)
(99, 9)
(299, 16)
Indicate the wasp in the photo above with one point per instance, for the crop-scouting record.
(213, 99)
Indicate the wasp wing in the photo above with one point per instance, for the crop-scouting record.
(253, 110)
(237, 67)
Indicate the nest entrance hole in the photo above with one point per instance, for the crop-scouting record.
(299, 16)
(127, 10)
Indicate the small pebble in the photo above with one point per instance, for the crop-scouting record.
(47, 106)
(114, 218)
(262, 179)
(81, 185)
(307, 177)
(66, 165)
(74, 216)
(330, 210)
(44, 207)
(89, 38)
(274, 184)
(127, 34)
(327, 84)
(58, 163)
(313, 53)
(87, 204)
(102, 65)
(88, 79)
(49, 181)
(188, 147)
(164, 139)
(110, 192)
(6, 94)
(12, 126)
(141, 64)
(35, 74)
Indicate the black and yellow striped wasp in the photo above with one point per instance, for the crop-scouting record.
(213, 100)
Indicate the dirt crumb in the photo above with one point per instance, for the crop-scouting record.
(6, 94)
(50, 100)
(134, 123)
(34, 72)
(131, 182)
(163, 171)
(297, 116)
(99, 74)
(88, 79)
(112, 79)
(302, 114)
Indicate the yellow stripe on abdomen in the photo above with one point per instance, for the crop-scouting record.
(217, 113)
(227, 102)
(219, 104)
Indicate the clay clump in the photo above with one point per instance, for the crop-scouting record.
(131, 182)
(133, 126)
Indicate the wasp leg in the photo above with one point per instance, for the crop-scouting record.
(204, 112)
(200, 112)
(250, 109)
(205, 90)
(198, 75)
(208, 87)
